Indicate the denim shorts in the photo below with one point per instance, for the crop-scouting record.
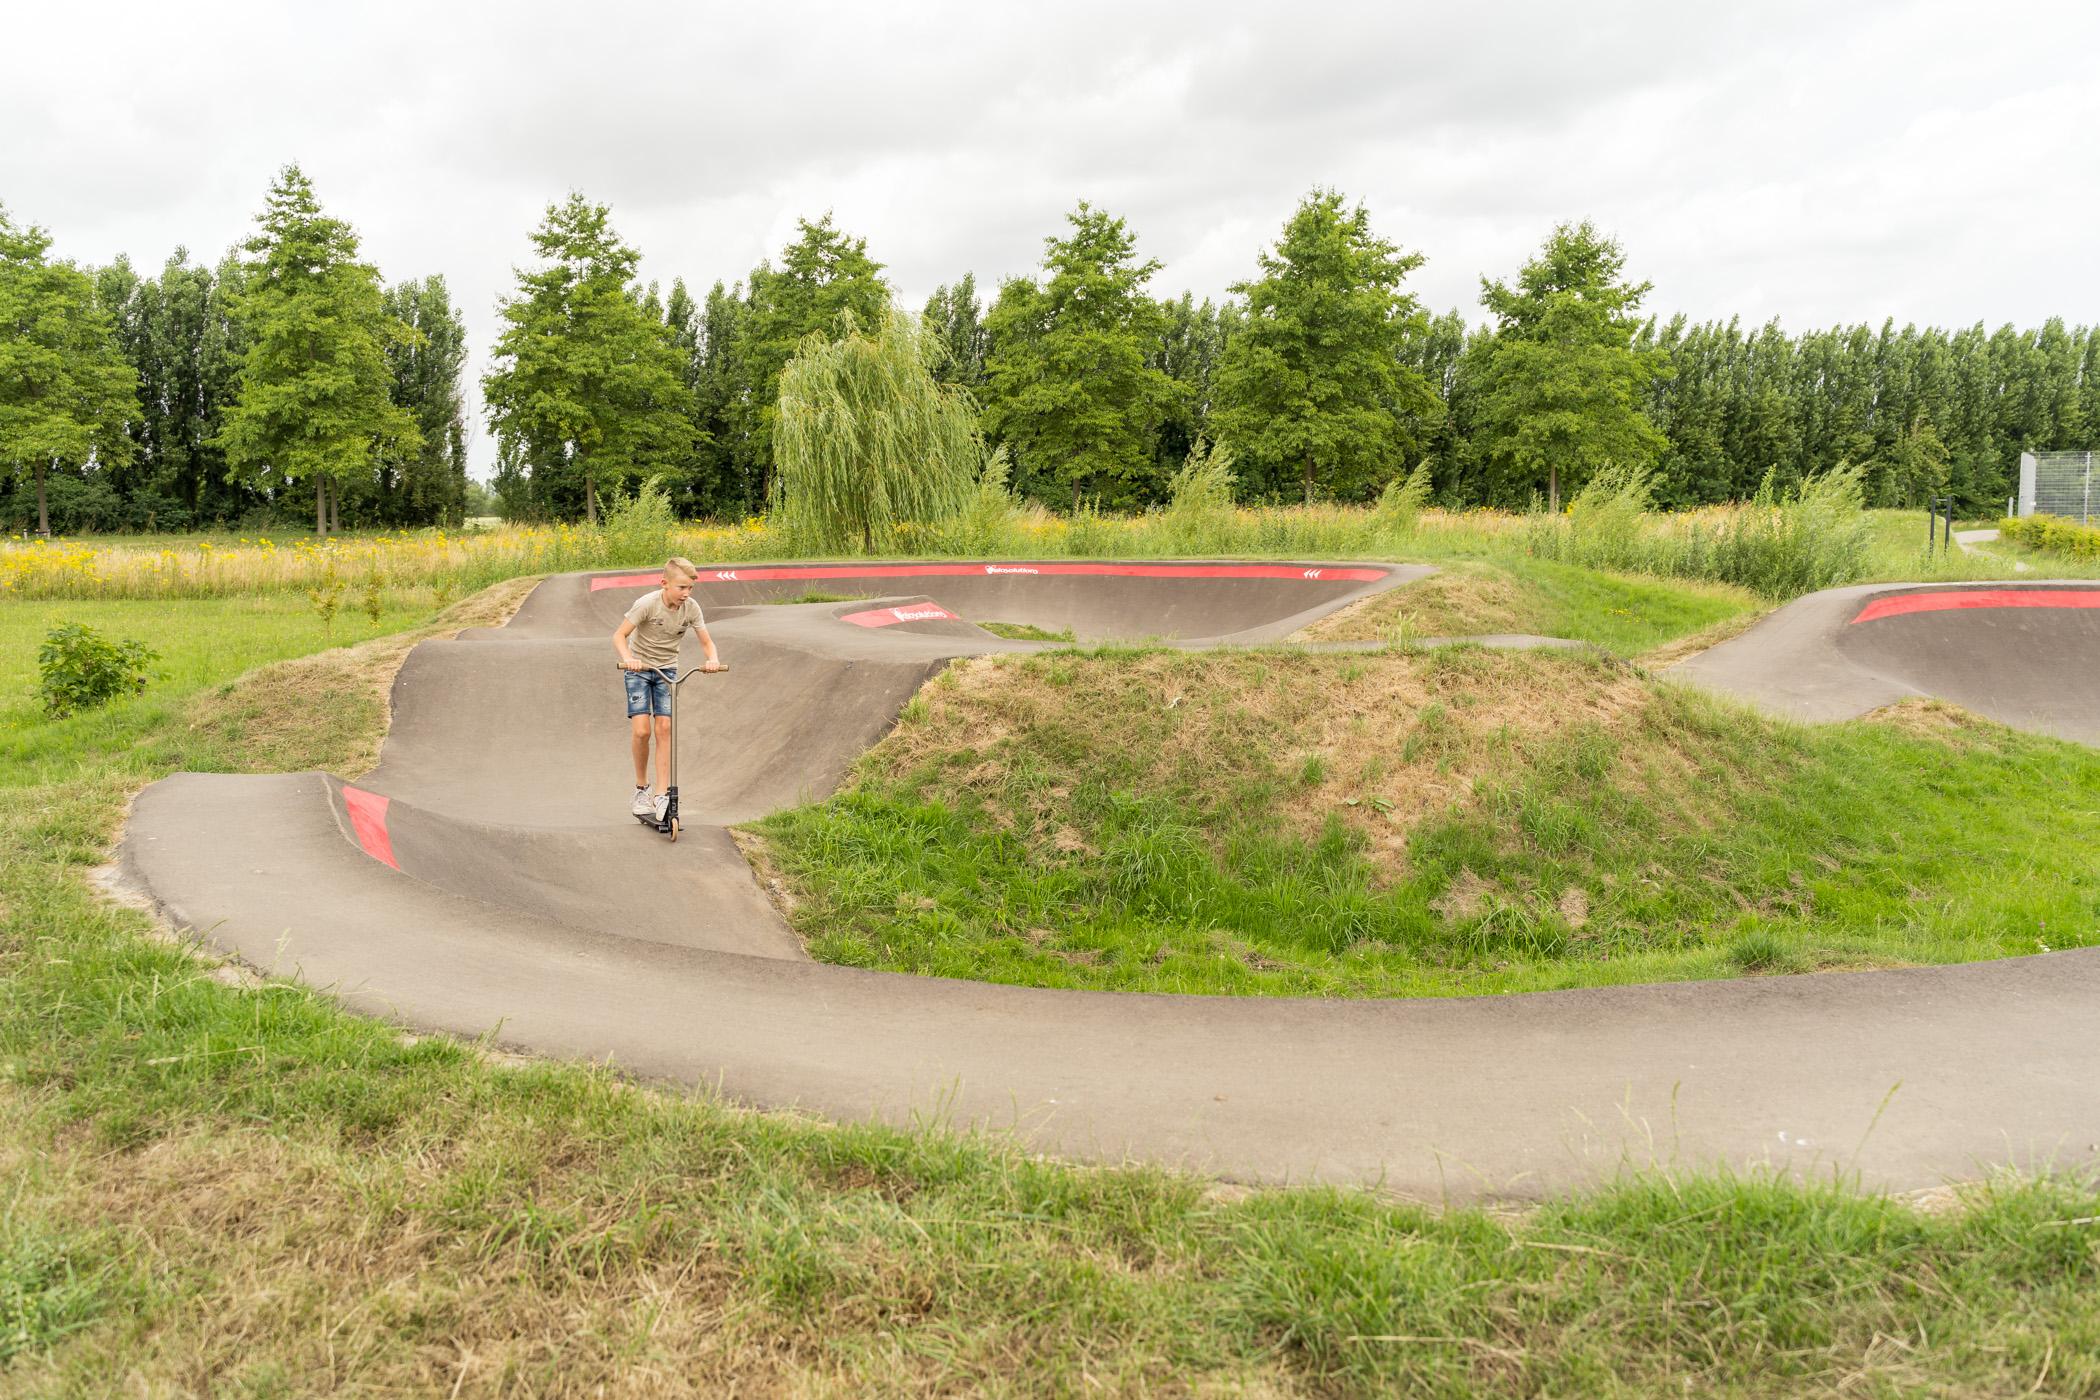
(647, 692)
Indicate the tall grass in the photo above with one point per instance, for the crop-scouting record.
(1780, 545)
(463, 563)
(636, 534)
(1199, 514)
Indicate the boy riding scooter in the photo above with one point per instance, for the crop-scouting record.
(647, 643)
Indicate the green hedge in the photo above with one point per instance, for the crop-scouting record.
(2053, 533)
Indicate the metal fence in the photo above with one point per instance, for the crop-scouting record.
(2059, 483)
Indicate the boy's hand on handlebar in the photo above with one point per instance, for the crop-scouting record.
(712, 667)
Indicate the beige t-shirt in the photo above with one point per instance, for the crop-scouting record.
(658, 630)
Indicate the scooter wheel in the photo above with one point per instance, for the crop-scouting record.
(674, 828)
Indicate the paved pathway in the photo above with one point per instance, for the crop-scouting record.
(485, 881)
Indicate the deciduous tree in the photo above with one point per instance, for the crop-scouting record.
(66, 391)
(1562, 386)
(823, 274)
(955, 317)
(587, 387)
(868, 439)
(1313, 386)
(1072, 387)
(428, 486)
(314, 402)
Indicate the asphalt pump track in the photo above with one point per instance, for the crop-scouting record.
(486, 881)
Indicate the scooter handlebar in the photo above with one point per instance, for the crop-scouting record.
(720, 667)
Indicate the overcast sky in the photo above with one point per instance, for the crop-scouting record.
(1817, 162)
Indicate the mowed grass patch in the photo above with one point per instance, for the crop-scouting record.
(214, 1187)
(1621, 613)
(202, 643)
(1451, 822)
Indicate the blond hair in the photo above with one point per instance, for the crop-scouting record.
(683, 567)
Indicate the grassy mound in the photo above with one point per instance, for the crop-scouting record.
(1449, 822)
(1623, 613)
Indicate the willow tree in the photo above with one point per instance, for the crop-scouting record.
(867, 440)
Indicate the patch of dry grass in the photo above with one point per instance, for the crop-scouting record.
(1459, 600)
(1937, 720)
(330, 709)
(1379, 741)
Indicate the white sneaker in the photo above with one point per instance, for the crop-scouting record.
(644, 802)
(662, 801)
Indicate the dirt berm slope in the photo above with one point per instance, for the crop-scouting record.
(485, 880)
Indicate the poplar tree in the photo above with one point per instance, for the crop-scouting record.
(689, 474)
(727, 476)
(1071, 385)
(314, 401)
(1562, 387)
(1313, 386)
(66, 391)
(954, 316)
(587, 386)
(428, 486)
(1192, 337)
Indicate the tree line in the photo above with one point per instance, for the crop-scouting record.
(220, 395)
(290, 372)
(1323, 373)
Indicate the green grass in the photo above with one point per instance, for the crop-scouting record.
(1491, 823)
(815, 596)
(201, 642)
(1026, 632)
(242, 1190)
(1625, 614)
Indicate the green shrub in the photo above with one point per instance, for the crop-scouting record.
(327, 595)
(638, 527)
(81, 669)
(985, 524)
(2053, 534)
(1198, 518)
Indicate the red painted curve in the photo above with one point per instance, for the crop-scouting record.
(368, 819)
(1952, 600)
(890, 617)
(844, 571)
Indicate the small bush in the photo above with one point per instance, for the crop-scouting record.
(985, 524)
(81, 669)
(327, 595)
(2053, 534)
(638, 527)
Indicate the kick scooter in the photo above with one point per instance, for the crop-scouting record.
(668, 825)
